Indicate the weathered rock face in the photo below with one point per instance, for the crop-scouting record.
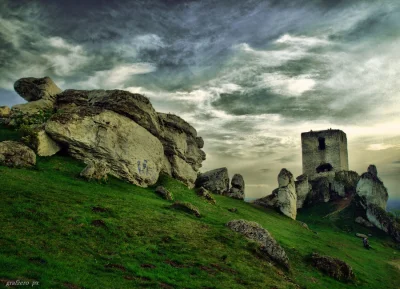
(95, 170)
(130, 151)
(45, 146)
(202, 192)
(371, 188)
(302, 190)
(345, 183)
(32, 89)
(216, 181)
(15, 154)
(268, 201)
(237, 187)
(4, 111)
(333, 267)
(268, 244)
(382, 220)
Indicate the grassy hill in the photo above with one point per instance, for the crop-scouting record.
(64, 232)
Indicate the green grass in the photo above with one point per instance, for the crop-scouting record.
(47, 235)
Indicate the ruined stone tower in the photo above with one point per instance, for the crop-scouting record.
(324, 150)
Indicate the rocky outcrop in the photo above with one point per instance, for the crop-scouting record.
(237, 187)
(283, 198)
(95, 170)
(4, 111)
(287, 198)
(371, 189)
(333, 267)
(164, 193)
(129, 150)
(382, 220)
(302, 190)
(182, 155)
(216, 181)
(15, 154)
(268, 244)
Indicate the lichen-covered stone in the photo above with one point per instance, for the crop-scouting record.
(45, 146)
(333, 267)
(237, 187)
(383, 221)
(164, 193)
(216, 181)
(15, 154)
(268, 244)
(186, 207)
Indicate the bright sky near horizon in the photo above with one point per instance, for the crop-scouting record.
(250, 76)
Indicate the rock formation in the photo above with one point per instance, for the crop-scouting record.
(382, 220)
(237, 187)
(371, 189)
(15, 154)
(117, 127)
(268, 244)
(216, 181)
(360, 220)
(283, 198)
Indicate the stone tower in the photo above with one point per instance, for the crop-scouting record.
(324, 150)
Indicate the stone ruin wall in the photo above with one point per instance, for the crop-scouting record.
(334, 153)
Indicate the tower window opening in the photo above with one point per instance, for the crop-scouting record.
(321, 141)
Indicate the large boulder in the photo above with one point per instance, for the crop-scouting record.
(333, 267)
(268, 244)
(237, 187)
(32, 89)
(302, 190)
(15, 154)
(183, 156)
(216, 181)
(130, 151)
(371, 189)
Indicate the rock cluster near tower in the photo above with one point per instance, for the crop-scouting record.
(118, 128)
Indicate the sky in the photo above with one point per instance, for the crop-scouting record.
(249, 75)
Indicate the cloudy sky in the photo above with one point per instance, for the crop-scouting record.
(249, 76)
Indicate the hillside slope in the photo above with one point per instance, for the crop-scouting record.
(64, 232)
